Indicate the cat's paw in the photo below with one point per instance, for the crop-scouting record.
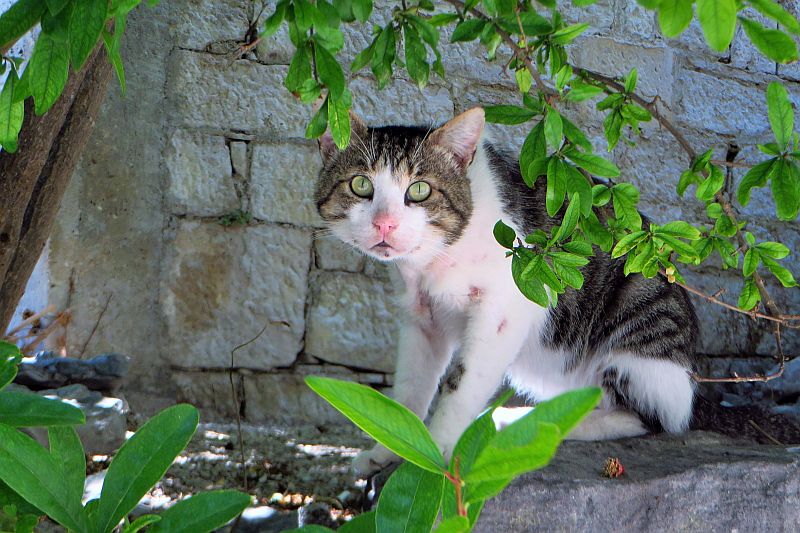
(371, 461)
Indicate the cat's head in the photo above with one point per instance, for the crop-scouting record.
(399, 192)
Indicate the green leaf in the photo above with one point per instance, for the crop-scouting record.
(330, 72)
(774, 44)
(630, 81)
(10, 357)
(534, 148)
(601, 195)
(774, 250)
(508, 114)
(319, 122)
(142, 461)
(575, 135)
(755, 177)
(203, 512)
(553, 129)
(556, 185)
(467, 30)
(364, 57)
(627, 243)
(568, 34)
(511, 453)
(30, 471)
(711, 185)
(751, 260)
(781, 114)
(67, 450)
(784, 275)
(274, 21)
(11, 117)
(49, 68)
(531, 288)
(524, 80)
(504, 235)
(596, 232)
(112, 44)
(750, 296)
(570, 220)
(626, 198)
(785, 182)
(674, 16)
(453, 524)
(388, 422)
(25, 409)
(140, 523)
(362, 9)
(679, 228)
(409, 501)
(565, 411)
(385, 49)
(777, 13)
(582, 91)
(594, 164)
(683, 249)
(85, 25)
(718, 20)
(472, 441)
(578, 184)
(339, 122)
(299, 70)
(416, 56)
(20, 17)
(612, 128)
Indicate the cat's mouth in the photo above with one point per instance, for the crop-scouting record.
(384, 250)
(383, 244)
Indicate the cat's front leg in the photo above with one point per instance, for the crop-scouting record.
(498, 326)
(423, 356)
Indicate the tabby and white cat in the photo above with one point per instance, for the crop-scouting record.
(426, 200)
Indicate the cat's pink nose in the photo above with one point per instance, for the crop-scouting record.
(385, 224)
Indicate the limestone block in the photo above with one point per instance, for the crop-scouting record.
(200, 175)
(209, 390)
(332, 254)
(202, 22)
(215, 92)
(724, 332)
(286, 397)
(634, 21)
(352, 321)
(282, 183)
(693, 482)
(653, 64)
(724, 106)
(222, 285)
(409, 105)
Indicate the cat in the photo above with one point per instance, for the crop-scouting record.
(426, 200)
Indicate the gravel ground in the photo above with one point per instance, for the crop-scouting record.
(302, 468)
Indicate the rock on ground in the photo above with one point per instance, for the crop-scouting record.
(694, 482)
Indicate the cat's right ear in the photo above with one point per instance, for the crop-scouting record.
(328, 148)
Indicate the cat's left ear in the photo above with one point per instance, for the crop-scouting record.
(328, 148)
(461, 135)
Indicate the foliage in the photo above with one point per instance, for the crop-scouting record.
(70, 29)
(36, 481)
(483, 463)
(605, 216)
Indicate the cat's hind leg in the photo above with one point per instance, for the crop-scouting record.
(659, 391)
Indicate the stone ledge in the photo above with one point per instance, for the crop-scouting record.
(694, 482)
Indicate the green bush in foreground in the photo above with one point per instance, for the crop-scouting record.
(35, 481)
(484, 460)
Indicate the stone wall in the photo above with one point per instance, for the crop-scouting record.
(201, 136)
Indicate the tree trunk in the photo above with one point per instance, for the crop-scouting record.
(33, 180)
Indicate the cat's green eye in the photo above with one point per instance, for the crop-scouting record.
(361, 186)
(418, 191)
